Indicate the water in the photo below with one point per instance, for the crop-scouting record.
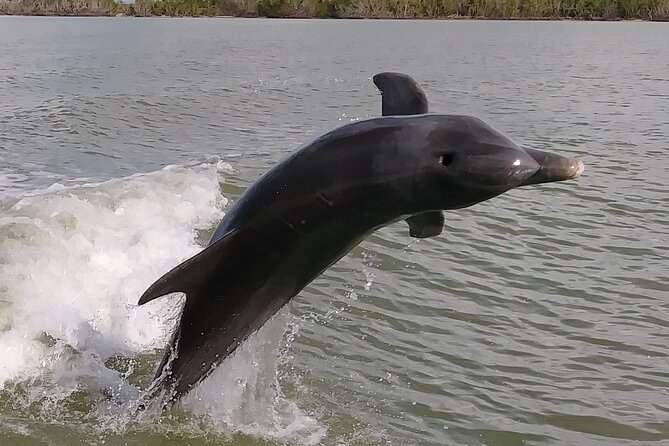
(537, 318)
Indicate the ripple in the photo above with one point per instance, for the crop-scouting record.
(538, 317)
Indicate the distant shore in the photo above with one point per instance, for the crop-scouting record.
(302, 17)
(593, 10)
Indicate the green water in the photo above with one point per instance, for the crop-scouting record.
(538, 318)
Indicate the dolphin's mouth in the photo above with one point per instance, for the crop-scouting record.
(553, 168)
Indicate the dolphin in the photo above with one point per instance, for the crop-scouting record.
(312, 208)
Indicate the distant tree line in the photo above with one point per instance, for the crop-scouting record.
(61, 7)
(502, 9)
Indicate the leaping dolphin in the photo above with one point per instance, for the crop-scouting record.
(313, 207)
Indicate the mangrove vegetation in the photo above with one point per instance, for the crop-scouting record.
(453, 9)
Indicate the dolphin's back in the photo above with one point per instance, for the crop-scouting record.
(335, 160)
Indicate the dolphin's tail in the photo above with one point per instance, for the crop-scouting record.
(194, 348)
(160, 393)
(179, 371)
(228, 297)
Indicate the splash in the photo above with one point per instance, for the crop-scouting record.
(74, 344)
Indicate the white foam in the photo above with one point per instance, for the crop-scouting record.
(243, 394)
(73, 262)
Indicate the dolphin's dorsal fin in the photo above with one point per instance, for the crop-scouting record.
(400, 95)
(192, 273)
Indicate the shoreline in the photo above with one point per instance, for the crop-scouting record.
(305, 17)
(534, 10)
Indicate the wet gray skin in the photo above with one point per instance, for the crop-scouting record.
(401, 95)
(312, 208)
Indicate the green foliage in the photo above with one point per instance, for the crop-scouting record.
(62, 7)
(577, 9)
(142, 8)
(272, 8)
(639, 8)
(181, 8)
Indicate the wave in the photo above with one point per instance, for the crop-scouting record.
(73, 262)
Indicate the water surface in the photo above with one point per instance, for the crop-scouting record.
(537, 318)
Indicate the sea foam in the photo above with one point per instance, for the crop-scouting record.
(73, 262)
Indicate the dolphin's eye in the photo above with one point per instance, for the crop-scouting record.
(446, 159)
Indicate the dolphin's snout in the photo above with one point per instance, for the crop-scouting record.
(576, 169)
(553, 168)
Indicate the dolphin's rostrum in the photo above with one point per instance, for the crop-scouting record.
(312, 208)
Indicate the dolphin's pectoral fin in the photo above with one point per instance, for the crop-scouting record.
(189, 275)
(426, 224)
